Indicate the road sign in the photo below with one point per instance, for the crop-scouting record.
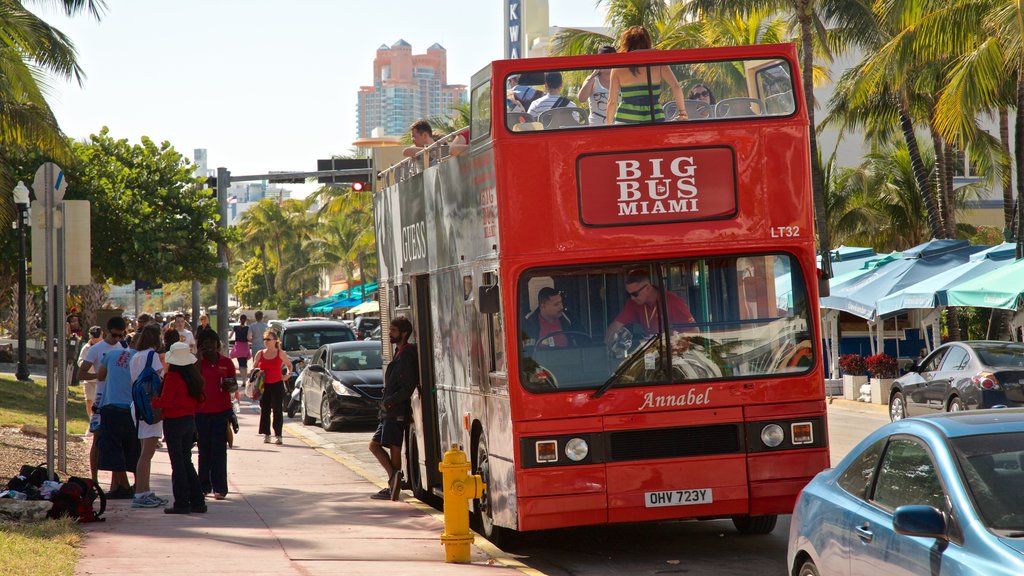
(52, 175)
(74, 220)
(343, 164)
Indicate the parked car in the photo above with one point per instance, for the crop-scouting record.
(300, 338)
(960, 376)
(364, 325)
(342, 384)
(375, 335)
(939, 494)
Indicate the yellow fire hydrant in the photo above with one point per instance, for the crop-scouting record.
(459, 488)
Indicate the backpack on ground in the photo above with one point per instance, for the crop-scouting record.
(77, 499)
(145, 387)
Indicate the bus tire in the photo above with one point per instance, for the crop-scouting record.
(755, 524)
(482, 512)
(412, 465)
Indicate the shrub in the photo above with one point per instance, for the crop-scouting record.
(883, 366)
(852, 365)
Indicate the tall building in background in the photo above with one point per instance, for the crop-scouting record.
(406, 87)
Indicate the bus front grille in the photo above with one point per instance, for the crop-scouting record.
(675, 442)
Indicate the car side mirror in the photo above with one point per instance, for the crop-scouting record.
(488, 299)
(914, 366)
(920, 521)
(316, 369)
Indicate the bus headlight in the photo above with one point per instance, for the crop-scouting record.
(576, 449)
(772, 435)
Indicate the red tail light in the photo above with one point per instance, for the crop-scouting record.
(985, 381)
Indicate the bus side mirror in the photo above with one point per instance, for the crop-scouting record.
(488, 299)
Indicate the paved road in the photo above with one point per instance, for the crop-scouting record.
(692, 548)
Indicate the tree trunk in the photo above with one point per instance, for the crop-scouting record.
(941, 165)
(266, 270)
(924, 184)
(805, 18)
(1004, 140)
(1018, 156)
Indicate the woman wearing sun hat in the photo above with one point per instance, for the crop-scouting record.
(182, 392)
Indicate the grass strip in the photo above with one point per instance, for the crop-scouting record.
(25, 403)
(47, 548)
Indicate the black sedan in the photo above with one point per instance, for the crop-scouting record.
(960, 376)
(343, 383)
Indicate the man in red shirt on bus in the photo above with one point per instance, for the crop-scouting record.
(644, 307)
(548, 318)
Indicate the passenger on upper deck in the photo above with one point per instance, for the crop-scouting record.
(545, 325)
(634, 92)
(422, 137)
(595, 90)
(553, 98)
(644, 307)
(519, 96)
(701, 93)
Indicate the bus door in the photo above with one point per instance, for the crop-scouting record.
(425, 419)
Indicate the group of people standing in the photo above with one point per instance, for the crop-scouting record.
(195, 402)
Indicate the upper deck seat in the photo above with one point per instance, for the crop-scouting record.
(738, 107)
(697, 109)
(567, 117)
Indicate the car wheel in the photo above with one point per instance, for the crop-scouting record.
(956, 404)
(897, 407)
(483, 506)
(755, 524)
(808, 569)
(307, 420)
(326, 422)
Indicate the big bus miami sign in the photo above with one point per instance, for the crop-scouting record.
(658, 186)
(606, 316)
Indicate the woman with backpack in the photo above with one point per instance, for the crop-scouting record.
(182, 392)
(147, 344)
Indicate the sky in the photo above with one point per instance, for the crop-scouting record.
(263, 86)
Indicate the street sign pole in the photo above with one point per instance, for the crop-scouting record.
(50, 185)
(62, 348)
(223, 180)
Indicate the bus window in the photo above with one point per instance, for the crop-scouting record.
(734, 316)
(547, 100)
(480, 112)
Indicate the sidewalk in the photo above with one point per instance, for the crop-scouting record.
(291, 510)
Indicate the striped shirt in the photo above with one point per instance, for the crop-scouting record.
(637, 103)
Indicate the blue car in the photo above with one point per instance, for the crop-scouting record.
(940, 494)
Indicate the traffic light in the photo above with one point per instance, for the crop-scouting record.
(360, 186)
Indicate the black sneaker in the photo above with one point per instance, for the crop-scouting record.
(395, 485)
(198, 508)
(176, 510)
(122, 493)
(384, 494)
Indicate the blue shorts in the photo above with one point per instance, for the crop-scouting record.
(119, 440)
(390, 432)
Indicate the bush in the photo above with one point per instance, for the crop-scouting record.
(883, 366)
(852, 365)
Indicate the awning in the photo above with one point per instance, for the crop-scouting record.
(1000, 288)
(370, 307)
(932, 292)
(860, 295)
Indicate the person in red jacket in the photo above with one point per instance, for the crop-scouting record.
(214, 415)
(182, 392)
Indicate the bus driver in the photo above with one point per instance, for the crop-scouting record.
(548, 319)
(644, 305)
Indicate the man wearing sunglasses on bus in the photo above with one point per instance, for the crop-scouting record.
(643, 308)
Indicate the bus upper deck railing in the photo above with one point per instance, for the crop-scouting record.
(432, 155)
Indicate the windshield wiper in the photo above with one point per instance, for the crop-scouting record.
(622, 368)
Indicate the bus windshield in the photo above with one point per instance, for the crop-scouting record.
(665, 322)
(574, 98)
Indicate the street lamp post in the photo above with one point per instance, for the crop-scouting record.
(21, 200)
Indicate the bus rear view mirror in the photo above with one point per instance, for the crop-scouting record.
(488, 299)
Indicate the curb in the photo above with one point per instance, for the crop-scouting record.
(855, 406)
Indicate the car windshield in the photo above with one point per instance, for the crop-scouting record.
(1009, 354)
(312, 338)
(343, 360)
(734, 316)
(993, 470)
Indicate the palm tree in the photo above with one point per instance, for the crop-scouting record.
(31, 51)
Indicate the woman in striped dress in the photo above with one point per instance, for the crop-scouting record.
(635, 92)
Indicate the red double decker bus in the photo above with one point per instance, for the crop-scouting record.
(617, 319)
